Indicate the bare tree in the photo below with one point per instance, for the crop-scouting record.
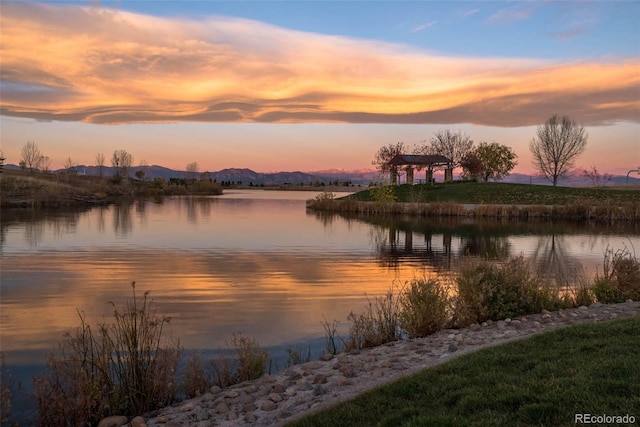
(453, 145)
(100, 164)
(32, 157)
(556, 146)
(192, 170)
(69, 165)
(597, 179)
(121, 162)
(45, 164)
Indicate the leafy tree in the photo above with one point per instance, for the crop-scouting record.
(556, 146)
(472, 167)
(453, 145)
(385, 154)
(497, 160)
(121, 162)
(140, 174)
(2, 159)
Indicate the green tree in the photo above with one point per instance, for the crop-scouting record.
(497, 160)
(472, 167)
(556, 145)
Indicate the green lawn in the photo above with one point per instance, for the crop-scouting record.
(543, 380)
(505, 193)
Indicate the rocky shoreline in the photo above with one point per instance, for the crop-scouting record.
(274, 400)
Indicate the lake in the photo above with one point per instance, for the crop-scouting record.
(249, 261)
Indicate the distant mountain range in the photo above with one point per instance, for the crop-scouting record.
(248, 176)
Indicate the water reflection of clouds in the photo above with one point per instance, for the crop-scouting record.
(274, 296)
(265, 267)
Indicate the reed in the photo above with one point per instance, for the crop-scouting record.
(126, 367)
(378, 324)
(246, 362)
(620, 277)
(195, 380)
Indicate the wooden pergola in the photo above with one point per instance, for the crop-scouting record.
(411, 161)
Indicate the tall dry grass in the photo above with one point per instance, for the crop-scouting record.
(378, 324)
(125, 367)
(248, 361)
(620, 277)
(426, 307)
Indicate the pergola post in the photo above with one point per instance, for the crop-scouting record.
(394, 175)
(448, 174)
(429, 177)
(410, 175)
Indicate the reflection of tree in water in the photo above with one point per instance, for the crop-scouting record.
(122, 219)
(553, 262)
(192, 214)
(485, 246)
(34, 224)
(33, 232)
(141, 207)
(65, 224)
(325, 217)
(197, 206)
(101, 218)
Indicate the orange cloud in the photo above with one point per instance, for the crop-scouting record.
(100, 65)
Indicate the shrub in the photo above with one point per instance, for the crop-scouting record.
(252, 360)
(379, 324)
(195, 380)
(223, 370)
(425, 307)
(582, 295)
(383, 193)
(497, 291)
(249, 362)
(127, 367)
(620, 279)
(323, 200)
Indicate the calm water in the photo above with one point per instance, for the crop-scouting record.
(254, 262)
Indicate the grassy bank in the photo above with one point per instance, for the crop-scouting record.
(543, 380)
(491, 200)
(505, 194)
(33, 190)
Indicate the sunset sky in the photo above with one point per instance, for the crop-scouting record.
(314, 85)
